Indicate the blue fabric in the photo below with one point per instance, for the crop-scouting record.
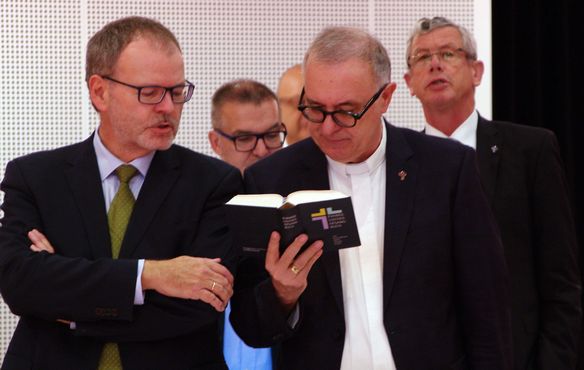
(238, 355)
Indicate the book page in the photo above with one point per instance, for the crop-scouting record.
(257, 200)
(308, 196)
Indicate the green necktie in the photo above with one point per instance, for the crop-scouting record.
(118, 216)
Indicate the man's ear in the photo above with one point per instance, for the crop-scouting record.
(387, 94)
(98, 92)
(408, 78)
(214, 141)
(478, 68)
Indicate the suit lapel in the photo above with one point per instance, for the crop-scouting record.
(488, 154)
(162, 174)
(84, 179)
(401, 178)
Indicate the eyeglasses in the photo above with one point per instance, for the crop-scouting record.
(448, 56)
(273, 139)
(342, 118)
(155, 94)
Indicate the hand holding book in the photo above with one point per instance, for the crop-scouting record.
(289, 271)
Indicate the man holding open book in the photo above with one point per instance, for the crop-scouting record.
(427, 287)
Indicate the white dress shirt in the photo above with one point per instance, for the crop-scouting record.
(466, 133)
(366, 343)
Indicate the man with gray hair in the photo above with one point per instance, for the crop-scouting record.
(522, 174)
(427, 289)
(131, 255)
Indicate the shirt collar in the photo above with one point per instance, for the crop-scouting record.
(369, 165)
(107, 162)
(465, 133)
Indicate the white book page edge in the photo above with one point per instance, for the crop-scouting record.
(308, 196)
(257, 200)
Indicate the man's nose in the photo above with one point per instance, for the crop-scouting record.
(166, 105)
(261, 150)
(436, 62)
(329, 126)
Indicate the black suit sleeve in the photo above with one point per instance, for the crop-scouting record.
(481, 276)
(556, 263)
(47, 286)
(98, 294)
(162, 317)
(257, 315)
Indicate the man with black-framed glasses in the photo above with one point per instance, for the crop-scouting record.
(427, 288)
(245, 116)
(130, 266)
(246, 127)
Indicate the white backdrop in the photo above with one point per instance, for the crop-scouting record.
(44, 102)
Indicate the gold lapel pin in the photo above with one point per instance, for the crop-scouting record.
(402, 175)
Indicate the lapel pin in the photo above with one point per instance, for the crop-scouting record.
(402, 175)
(494, 149)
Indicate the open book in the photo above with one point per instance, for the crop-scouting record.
(325, 215)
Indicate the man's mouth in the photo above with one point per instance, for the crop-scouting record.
(438, 82)
(164, 124)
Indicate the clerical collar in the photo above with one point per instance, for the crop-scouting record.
(369, 165)
(466, 133)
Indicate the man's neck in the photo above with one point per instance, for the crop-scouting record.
(448, 119)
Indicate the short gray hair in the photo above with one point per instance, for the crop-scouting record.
(339, 44)
(240, 91)
(427, 25)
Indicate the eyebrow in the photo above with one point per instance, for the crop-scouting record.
(446, 46)
(345, 103)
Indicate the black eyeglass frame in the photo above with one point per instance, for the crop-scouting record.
(189, 85)
(282, 130)
(356, 116)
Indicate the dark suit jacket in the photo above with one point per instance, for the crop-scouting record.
(522, 174)
(178, 212)
(445, 293)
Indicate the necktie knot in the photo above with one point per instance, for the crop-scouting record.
(125, 172)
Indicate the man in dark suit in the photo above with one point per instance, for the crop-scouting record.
(523, 177)
(147, 294)
(427, 287)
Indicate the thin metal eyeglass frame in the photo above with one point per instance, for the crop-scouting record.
(189, 85)
(415, 63)
(234, 138)
(356, 116)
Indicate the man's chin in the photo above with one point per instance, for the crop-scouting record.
(160, 143)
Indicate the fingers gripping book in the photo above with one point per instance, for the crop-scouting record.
(325, 215)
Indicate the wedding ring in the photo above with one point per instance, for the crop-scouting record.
(294, 269)
(213, 286)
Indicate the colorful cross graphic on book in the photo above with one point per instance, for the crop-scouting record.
(321, 215)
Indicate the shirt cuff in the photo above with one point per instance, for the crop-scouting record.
(138, 293)
(294, 317)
